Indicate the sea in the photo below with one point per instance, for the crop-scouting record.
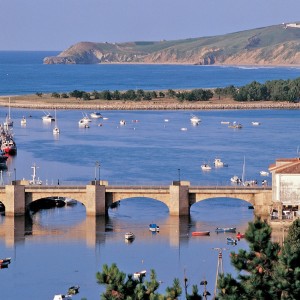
(54, 249)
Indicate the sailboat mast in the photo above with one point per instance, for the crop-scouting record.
(244, 169)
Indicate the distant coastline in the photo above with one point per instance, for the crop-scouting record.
(35, 102)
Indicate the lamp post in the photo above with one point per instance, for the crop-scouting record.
(179, 175)
(15, 171)
(96, 166)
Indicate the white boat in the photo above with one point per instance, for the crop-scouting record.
(8, 121)
(138, 275)
(183, 129)
(255, 123)
(84, 121)
(23, 121)
(236, 125)
(129, 236)
(219, 164)
(264, 173)
(206, 167)
(48, 117)
(56, 128)
(166, 120)
(122, 122)
(195, 120)
(154, 227)
(225, 122)
(70, 201)
(95, 115)
(62, 297)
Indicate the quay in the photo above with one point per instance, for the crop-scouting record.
(97, 196)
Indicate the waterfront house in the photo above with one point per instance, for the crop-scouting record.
(286, 188)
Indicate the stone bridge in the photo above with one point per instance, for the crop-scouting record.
(97, 196)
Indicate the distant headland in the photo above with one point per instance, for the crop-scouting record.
(276, 45)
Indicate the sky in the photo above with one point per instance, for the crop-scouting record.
(58, 24)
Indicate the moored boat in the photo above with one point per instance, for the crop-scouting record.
(153, 227)
(240, 235)
(23, 121)
(218, 163)
(73, 290)
(206, 167)
(195, 120)
(200, 233)
(264, 173)
(255, 123)
(129, 236)
(235, 125)
(225, 229)
(231, 241)
(48, 117)
(95, 115)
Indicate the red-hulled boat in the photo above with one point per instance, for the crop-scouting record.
(200, 233)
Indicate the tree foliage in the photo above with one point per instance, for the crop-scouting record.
(266, 271)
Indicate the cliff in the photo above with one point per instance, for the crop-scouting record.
(272, 45)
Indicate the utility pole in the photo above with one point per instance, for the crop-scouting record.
(220, 269)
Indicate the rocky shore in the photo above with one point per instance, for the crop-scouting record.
(34, 102)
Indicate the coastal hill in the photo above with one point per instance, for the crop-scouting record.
(272, 45)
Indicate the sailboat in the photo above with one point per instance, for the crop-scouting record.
(247, 182)
(8, 121)
(56, 129)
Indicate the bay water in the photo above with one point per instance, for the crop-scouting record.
(61, 247)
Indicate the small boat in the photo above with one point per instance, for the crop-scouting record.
(235, 125)
(231, 241)
(48, 117)
(70, 201)
(55, 129)
(205, 167)
(95, 115)
(129, 236)
(4, 265)
(240, 235)
(5, 260)
(73, 290)
(264, 173)
(195, 120)
(138, 275)
(183, 129)
(122, 122)
(219, 164)
(8, 121)
(225, 122)
(200, 233)
(9, 146)
(166, 120)
(255, 123)
(23, 121)
(84, 121)
(225, 229)
(154, 227)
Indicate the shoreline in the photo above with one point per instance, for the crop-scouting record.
(35, 102)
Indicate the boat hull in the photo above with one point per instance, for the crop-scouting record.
(200, 233)
(227, 229)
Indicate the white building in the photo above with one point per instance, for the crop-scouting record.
(286, 185)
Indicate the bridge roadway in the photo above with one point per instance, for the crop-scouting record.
(97, 196)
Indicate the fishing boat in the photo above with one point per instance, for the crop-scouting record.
(205, 167)
(56, 128)
(153, 227)
(240, 235)
(138, 275)
(8, 145)
(95, 115)
(8, 121)
(73, 290)
(200, 233)
(235, 125)
(218, 163)
(23, 121)
(225, 229)
(48, 117)
(231, 241)
(195, 120)
(129, 236)
(264, 173)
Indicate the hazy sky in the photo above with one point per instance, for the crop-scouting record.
(58, 24)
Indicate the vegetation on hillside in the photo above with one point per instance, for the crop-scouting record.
(265, 271)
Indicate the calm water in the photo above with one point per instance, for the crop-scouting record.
(24, 73)
(58, 248)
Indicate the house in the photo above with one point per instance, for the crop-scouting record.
(286, 187)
